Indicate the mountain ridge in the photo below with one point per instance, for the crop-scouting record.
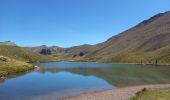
(8, 43)
(134, 45)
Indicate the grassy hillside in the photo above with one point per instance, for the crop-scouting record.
(14, 59)
(162, 56)
(11, 66)
(153, 94)
(22, 54)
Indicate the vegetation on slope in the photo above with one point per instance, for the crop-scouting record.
(160, 56)
(14, 59)
(153, 94)
(22, 54)
(10, 66)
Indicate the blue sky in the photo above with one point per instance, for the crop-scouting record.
(72, 22)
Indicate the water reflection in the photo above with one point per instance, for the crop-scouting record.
(58, 79)
(50, 83)
(116, 74)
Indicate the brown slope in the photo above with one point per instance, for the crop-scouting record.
(150, 35)
(149, 40)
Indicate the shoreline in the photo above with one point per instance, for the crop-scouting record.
(123, 93)
(114, 63)
(5, 76)
(36, 67)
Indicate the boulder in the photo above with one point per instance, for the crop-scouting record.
(4, 59)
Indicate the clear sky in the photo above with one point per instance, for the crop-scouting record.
(68, 23)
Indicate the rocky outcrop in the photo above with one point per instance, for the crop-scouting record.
(4, 59)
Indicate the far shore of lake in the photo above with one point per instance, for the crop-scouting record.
(159, 64)
(3, 77)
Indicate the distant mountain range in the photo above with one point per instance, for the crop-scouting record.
(63, 53)
(147, 42)
(7, 43)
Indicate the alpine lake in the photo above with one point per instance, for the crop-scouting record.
(62, 79)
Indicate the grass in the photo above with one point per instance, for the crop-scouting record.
(162, 55)
(23, 54)
(15, 59)
(153, 94)
(12, 66)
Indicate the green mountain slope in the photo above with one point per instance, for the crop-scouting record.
(11, 66)
(22, 54)
(14, 59)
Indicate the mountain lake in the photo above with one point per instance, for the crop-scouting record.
(56, 80)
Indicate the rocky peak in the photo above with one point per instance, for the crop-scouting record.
(153, 18)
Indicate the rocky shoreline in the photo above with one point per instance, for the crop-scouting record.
(117, 94)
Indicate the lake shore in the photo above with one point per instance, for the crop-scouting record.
(124, 93)
(3, 76)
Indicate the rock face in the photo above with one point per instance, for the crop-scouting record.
(8, 43)
(147, 41)
(45, 50)
(4, 59)
(42, 50)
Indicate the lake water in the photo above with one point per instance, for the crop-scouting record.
(59, 79)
